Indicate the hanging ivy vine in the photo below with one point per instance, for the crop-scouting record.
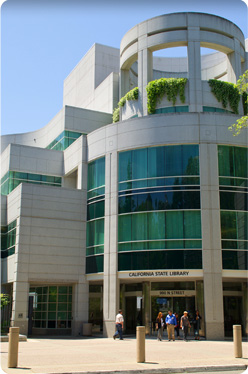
(131, 95)
(170, 87)
(226, 93)
(245, 102)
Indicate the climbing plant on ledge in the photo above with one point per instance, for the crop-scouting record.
(226, 93)
(131, 95)
(170, 87)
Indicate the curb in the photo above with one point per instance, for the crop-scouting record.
(193, 369)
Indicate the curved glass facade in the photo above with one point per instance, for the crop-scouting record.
(233, 181)
(95, 216)
(159, 208)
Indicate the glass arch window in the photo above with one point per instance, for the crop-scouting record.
(95, 216)
(233, 186)
(159, 207)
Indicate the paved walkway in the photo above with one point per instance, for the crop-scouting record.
(94, 355)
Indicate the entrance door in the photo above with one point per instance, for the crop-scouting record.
(180, 304)
(133, 314)
(232, 313)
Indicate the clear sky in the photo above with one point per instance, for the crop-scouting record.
(43, 40)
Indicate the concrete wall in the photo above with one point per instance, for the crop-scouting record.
(69, 118)
(79, 87)
(50, 246)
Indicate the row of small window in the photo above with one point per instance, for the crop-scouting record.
(96, 194)
(172, 109)
(8, 239)
(152, 183)
(233, 161)
(231, 260)
(53, 309)
(159, 226)
(234, 244)
(217, 110)
(12, 179)
(51, 290)
(159, 201)
(97, 250)
(159, 244)
(155, 162)
(53, 324)
(233, 182)
(167, 260)
(51, 298)
(64, 140)
(185, 108)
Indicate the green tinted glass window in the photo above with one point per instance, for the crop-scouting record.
(234, 225)
(95, 232)
(233, 161)
(235, 260)
(94, 264)
(160, 260)
(96, 173)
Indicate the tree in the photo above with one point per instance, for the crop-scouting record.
(242, 122)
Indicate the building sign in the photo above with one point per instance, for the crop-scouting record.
(171, 293)
(159, 274)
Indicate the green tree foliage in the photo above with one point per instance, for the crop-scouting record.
(4, 300)
(242, 122)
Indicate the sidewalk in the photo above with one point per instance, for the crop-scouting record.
(94, 355)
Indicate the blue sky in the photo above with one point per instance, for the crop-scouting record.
(43, 40)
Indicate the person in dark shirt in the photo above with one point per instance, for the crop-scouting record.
(185, 324)
(159, 326)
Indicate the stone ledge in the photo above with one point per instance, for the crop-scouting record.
(5, 338)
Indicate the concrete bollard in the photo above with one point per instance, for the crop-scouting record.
(141, 349)
(237, 341)
(13, 347)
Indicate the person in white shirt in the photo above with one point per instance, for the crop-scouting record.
(119, 325)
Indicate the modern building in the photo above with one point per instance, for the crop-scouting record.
(148, 213)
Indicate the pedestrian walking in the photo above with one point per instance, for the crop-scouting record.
(159, 326)
(185, 324)
(171, 323)
(197, 324)
(119, 325)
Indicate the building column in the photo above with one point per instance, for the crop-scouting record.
(124, 83)
(80, 305)
(19, 317)
(145, 72)
(194, 69)
(110, 280)
(211, 242)
(146, 317)
(234, 63)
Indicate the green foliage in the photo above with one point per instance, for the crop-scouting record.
(131, 95)
(226, 93)
(245, 102)
(4, 300)
(116, 115)
(241, 123)
(165, 86)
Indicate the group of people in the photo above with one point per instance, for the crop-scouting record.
(173, 323)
